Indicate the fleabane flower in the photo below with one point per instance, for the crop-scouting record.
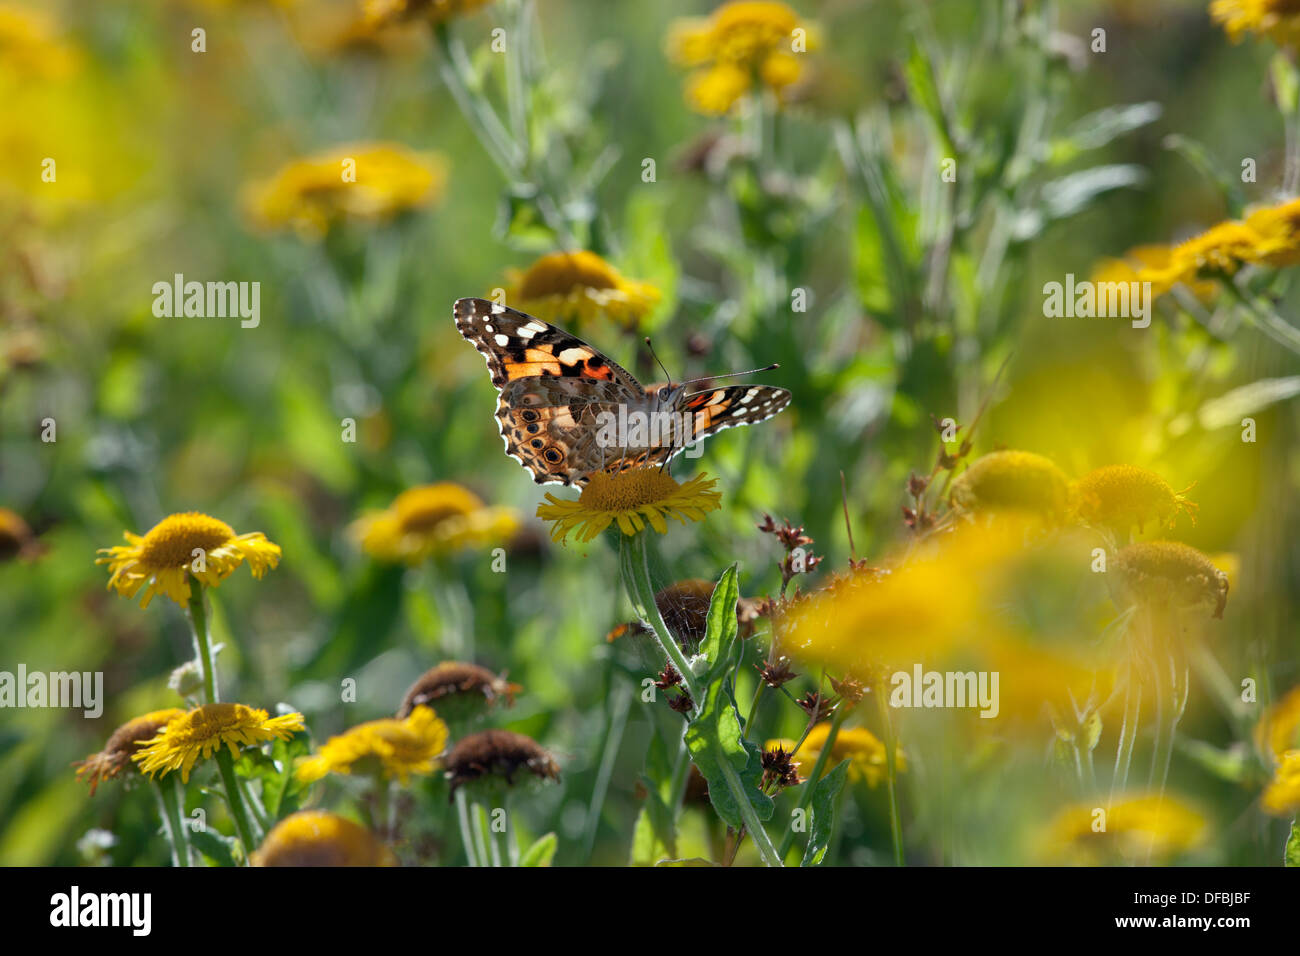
(319, 838)
(1015, 481)
(458, 690)
(386, 12)
(1169, 574)
(203, 731)
(1123, 496)
(122, 745)
(436, 519)
(744, 45)
(1281, 797)
(633, 499)
(573, 288)
(386, 747)
(1279, 20)
(1278, 730)
(498, 753)
(181, 546)
(860, 747)
(363, 182)
(1133, 828)
(31, 46)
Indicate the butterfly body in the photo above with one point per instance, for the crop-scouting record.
(566, 411)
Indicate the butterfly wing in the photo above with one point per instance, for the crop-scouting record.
(552, 388)
(732, 405)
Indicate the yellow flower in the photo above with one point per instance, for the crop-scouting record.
(1121, 496)
(1171, 574)
(1281, 797)
(30, 46)
(1277, 229)
(859, 746)
(182, 545)
(1150, 263)
(744, 45)
(1018, 481)
(1279, 20)
(576, 287)
(203, 731)
(16, 538)
(389, 747)
(367, 182)
(632, 498)
(1133, 828)
(320, 838)
(428, 520)
(117, 753)
(1278, 729)
(384, 12)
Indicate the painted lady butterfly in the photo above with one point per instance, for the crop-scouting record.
(558, 397)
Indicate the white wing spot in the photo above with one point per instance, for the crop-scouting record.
(497, 309)
(502, 340)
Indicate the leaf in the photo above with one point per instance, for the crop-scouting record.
(521, 224)
(1232, 406)
(1199, 158)
(720, 626)
(1091, 730)
(654, 836)
(1286, 82)
(1101, 127)
(1292, 855)
(713, 738)
(541, 852)
(1233, 764)
(216, 847)
(924, 91)
(823, 814)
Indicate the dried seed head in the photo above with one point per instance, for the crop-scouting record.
(458, 690)
(497, 753)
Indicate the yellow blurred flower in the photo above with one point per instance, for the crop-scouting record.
(1169, 574)
(16, 538)
(386, 747)
(1278, 729)
(122, 745)
(1151, 263)
(320, 838)
(1279, 20)
(204, 730)
(181, 546)
(860, 747)
(365, 182)
(383, 12)
(632, 498)
(577, 287)
(436, 519)
(1281, 797)
(1016, 481)
(1135, 827)
(31, 47)
(1120, 497)
(1277, 229)
(744, 45)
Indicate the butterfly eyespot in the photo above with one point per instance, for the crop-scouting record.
(538, 443)
(528, 414)
(553, 456)
(532, 429)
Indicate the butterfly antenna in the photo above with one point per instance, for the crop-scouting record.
(752, 371)
(657, 362)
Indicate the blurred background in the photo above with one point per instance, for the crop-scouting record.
(166, 158)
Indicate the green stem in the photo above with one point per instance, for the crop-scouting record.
(466, 829)
(805, 794)
(1127, 734)
(891, 775)
(234, 798)
(168, 791)
(202, 642)
(615, 724)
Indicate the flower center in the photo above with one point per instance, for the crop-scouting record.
(561, 272)
(209, 721)
(422, 509)
(171, 542)
(628, 490)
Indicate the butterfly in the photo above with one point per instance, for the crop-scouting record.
(566, 411)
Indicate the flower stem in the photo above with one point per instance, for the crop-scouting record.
(234, 797)
(805, 795)
(891, 775)
(168, 791)
(202, 643)
(466, 830)
(1127, 734)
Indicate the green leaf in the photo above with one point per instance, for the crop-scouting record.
(925, 92)
(1233, 764)
(1100, 128)
(1292, 856)
(216, 847)
(654, 835)
(1199, 157)
(823, 814)
(720, 625)
(1286, 83)
(714, 737)
(541, 852)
